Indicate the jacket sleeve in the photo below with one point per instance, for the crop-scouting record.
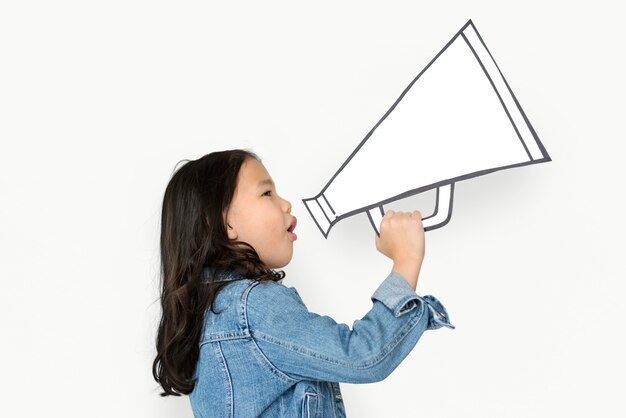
(307, 346)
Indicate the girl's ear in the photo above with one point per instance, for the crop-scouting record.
(232, 234)
(230, 230)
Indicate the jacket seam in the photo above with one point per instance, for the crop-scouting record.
(275, 370)
(238, 336)
(333, 399)
(244, 317)
(230, 401)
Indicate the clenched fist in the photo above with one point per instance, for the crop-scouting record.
(402, 239)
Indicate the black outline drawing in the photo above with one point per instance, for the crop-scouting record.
(445, 188)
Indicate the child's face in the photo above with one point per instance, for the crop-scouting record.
(259, 216)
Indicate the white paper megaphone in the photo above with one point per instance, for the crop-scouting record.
(458, 119)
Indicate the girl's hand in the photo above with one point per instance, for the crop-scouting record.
(402, 239)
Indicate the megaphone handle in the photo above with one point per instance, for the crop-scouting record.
(440, 216)
(375, 216)
(443, 208)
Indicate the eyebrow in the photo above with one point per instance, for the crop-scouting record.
(266, 182)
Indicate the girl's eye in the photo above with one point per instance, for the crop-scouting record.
(267, 193)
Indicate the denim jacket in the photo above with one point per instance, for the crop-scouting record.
(266, 355)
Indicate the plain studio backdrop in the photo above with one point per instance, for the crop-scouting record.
(100, 100)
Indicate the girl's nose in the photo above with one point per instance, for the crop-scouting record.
(287, 206)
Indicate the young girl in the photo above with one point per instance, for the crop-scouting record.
(236, 339)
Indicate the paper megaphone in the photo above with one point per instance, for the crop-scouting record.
(457, 119)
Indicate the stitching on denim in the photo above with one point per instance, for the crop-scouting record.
(265, 362)
(243, 305)
(305, 404)
(225, 336)
(229, 401)
(333, 399)
(366, 364)
(256, 349)
(229, 334)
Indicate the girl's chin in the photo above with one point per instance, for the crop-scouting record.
(278, 264)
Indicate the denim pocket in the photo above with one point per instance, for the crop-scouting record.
(309, 405)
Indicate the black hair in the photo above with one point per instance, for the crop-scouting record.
(194, 241)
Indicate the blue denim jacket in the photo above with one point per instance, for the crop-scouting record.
(266, 355)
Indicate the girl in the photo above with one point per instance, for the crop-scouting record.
(237, 340)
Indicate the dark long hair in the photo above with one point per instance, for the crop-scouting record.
(194, 238)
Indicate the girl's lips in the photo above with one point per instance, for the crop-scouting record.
(293, 236)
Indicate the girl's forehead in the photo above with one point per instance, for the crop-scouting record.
(253, 173)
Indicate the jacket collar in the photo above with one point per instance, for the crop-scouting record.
(228, 275)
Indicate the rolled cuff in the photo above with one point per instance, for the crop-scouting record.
(396, 294)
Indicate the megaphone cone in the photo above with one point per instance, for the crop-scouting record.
(458, 119)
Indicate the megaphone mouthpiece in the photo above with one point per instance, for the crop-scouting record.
(322, 213)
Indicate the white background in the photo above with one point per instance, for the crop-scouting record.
(100, 100)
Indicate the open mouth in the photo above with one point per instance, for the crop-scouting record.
(291, 228)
